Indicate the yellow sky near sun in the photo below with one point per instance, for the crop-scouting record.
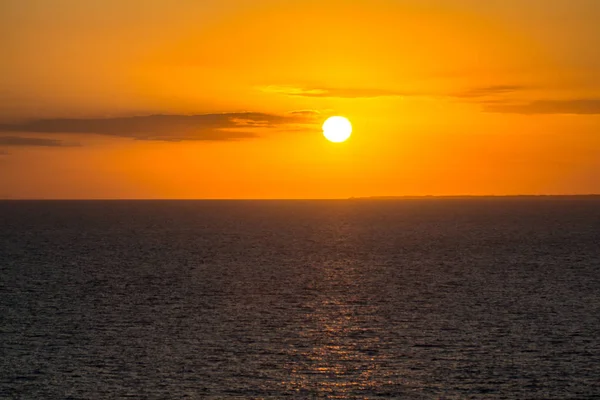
(445, 97)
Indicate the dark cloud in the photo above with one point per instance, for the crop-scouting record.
(577, 106)
(332, 92)
(489, 91)
(29, 141)
(226, 126)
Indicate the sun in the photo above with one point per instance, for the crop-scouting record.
(337, 129)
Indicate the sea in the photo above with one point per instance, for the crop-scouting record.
(465, 298)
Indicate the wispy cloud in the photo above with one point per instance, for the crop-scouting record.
(347, 93)
(489, 91)
(29, 141)
(575, 106)
(470, 94)
(308, 113)
(210, 127)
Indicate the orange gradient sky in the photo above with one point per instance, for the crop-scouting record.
(225, 99)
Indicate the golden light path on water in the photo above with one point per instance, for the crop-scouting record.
(345, 325)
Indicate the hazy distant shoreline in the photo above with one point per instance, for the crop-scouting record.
(459, 197)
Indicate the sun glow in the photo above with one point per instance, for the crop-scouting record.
(337, 129)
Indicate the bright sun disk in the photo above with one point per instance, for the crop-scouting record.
(337, 129)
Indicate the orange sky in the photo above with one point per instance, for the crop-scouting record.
(447, 97)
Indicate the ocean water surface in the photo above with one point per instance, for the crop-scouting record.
(349, 299)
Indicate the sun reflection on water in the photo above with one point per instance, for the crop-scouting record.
(343, 328)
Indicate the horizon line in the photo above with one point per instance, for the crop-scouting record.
(401, 197)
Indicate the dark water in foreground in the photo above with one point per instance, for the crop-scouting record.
(413, 299)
